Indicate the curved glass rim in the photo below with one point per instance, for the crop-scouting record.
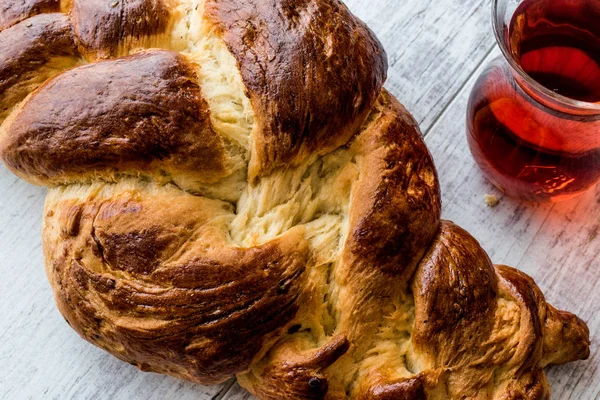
(498, 22)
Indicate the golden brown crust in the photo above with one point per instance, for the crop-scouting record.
(288, 52)
(409, 389)
(143, 114)
(394, 216)
(560, 328)
(33, 51)
(548, 326)
(14, 11)
(301, 375)
(108, 28)
(455, 291)
(396, 209)
(464, 308)
(311, 261)
(137, 280)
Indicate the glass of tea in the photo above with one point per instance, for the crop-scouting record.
(533, 119)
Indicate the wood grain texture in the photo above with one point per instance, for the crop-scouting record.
(435, 50)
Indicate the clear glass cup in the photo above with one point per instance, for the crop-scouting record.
(533, 141)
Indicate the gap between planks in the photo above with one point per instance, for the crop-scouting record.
(464, 86)
(225, 390)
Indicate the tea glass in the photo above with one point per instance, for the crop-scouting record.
(529, 141)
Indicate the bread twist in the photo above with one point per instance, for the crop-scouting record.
(232, 193)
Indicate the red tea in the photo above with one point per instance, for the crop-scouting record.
(558, 44)
(526, 146)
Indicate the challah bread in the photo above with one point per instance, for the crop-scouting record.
(232, 193)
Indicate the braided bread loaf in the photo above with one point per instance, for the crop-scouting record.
(232, 193)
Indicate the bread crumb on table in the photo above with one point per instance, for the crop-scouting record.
(491, 200)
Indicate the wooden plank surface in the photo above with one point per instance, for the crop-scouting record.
(435, 50)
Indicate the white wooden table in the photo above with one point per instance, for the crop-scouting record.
(435, 49)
